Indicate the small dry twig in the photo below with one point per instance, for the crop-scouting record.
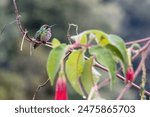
(39, 87)
(138, 41)
(145, 47)
(22, 42)
(96, 87)
(125, 89)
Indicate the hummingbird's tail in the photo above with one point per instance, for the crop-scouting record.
(36, 45)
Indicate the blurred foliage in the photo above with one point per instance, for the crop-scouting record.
(21, 73)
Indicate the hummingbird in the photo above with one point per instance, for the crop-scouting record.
(43, 34)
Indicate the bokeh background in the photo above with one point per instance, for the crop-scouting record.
(20, 73)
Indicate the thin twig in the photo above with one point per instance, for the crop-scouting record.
(18, 17)
(98, 86)
(3, 29)
(31, 48)
(93, 89)
(143, 81)
(141, 50)
(125, 89)
(138, 41)
(103, 83)
(144, 55)
(5, 26)
(38, 88)
(122, 78)
(22, 42)
(68, 31)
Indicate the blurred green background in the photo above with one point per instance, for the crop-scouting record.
(20, 73)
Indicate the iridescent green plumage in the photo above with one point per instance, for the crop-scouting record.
(43, 35)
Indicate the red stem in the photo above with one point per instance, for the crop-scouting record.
(138, 41)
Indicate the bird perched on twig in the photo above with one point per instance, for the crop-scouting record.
(43, 34)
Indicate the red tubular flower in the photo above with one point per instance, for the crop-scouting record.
(129, 74)
(61, 89)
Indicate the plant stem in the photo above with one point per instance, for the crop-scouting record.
(122, 78)
(145, 47)
(138, 41)
(39, 87)
(125, 89)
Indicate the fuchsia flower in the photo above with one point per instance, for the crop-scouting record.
(61, 89)
(129, 74)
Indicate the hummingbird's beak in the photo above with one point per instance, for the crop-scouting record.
(52, 25)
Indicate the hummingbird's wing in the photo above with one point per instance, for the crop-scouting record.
(37, 37)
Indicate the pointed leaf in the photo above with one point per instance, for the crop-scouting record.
(101, 37)
(104, 57)
(87, 75)
(55, 43)
(117, 46)
(83, 40)
(74, 68)
(54, 60)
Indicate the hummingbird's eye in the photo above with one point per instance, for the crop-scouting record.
(46, 27)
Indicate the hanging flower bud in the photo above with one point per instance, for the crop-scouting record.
(61, 89)
(129, 74)
(130, 70)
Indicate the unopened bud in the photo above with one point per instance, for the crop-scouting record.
(130, 74)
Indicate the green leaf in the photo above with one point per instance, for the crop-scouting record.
(113, 42)
(118, 48)
(104, 57)
(54, 60)
(74, 68)
(83, 40)
(87, 75)
(100, 37)
(55, 43)
(96, 75)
